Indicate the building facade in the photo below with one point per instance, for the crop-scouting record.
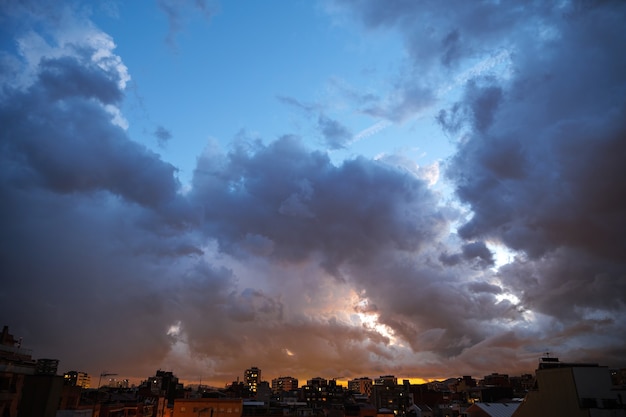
(572, 390)
(208, 407)
(284, 383)
(252, 378)
(361, 385)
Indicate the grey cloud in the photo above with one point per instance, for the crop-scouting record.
(484, 287)
(336, 135)
(542, 165)
(66, 77)
(444, 33)
(290, 101)
(477, 109)
(85, 278)
(474, 253)
(407, 100)
(66, 142)
(350, 210)
(422, 303)
(478, 250)
(93, 222)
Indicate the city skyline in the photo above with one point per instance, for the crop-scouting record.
(329, 188)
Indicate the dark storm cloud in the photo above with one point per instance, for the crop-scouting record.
(336, 135)
(540, 154)
(68, 77)
(546, 174)
(476, 253)
(302, 204)
(248, 266)
(542, 167)
(90, 219)
(423, 303)
(62, 138)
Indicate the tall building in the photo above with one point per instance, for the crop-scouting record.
(317, 382)
(387, 380)
(77, 379)
(164, 383)
(16, 364)
(386, 393)
(252, 378)
(361, 385)
(83, 380)
(284, 383)
(47, 366)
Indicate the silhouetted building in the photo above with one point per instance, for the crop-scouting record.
(360, 410)
(16, 364)
(41, 395)
(572, 389)
(77, 379)
(485, 409)
(208, 407)
(317, 382)
(389, 380)
(263, 392)
(47, 366)
(252, 378)
(388, 395)
(496, 380)
(164, 384)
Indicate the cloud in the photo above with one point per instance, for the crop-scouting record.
(540, 166)
(539, 144)
(259, 191)
(281, 258)
(163, 135)
(290, 101)
(178, 13)
(86, 210)
(336, 135)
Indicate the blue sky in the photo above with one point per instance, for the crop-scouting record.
(317, 188)
(297, 61)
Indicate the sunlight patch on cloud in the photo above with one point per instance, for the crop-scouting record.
(174, 329)
(117, 118)
(502, 255)
(369, 320)
(512, 298)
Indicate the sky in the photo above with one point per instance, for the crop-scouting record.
(330, 188)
